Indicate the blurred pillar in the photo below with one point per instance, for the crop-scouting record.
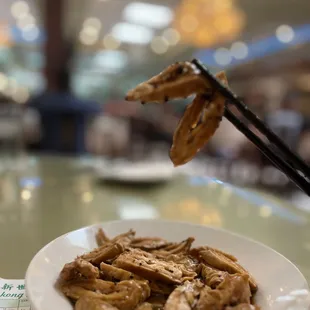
(55, 45)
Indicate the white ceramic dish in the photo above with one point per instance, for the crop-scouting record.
(136, 172)
(276, 276)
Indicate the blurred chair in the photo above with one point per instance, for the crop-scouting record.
(286, 122)
(108, 136)
(32, 126)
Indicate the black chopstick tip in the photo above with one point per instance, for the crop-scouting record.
(195, 61)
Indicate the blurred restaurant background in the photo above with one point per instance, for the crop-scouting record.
(66, 65)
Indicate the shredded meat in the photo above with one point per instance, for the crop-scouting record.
(126, 295)
(243, 307)
(149, 244)
(130, 273)
(75, 292)
(157, 301)
(176, 248)
(73, 288)
(124, 239)
(104, 253)
(233, 290)
(237, 289)
(161, 288)
(189, 262)
(145, 306)
(110, 249)
(112, 273)
(101, 237)
(150, 267)
(212, 277)
(204, 248)
(221, 261)
(86, 303)
(79, 268)
(185, 296)
(177, 300)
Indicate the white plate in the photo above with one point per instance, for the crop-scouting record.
(276, 276)
(144, 171)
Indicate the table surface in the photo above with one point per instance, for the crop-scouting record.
(55, 195)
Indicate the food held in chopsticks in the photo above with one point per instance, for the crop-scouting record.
(130, 273)
(201, 118)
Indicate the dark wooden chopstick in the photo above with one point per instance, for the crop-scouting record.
(293, 166)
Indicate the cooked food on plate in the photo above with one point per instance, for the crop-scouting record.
(201, 118)
(136, 273)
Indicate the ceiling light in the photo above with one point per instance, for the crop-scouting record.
(159, 45)
(110, 42)
(222, 56)
(26, 21)
(87, 39)
(172, 36)
(21, 95)
(189, 23)
(239, 50)
(90, 31)
(29, 28)
(92, 22)
(111, 60)
(31, 34)
(285, 33)
(223, 4)
(19, 9)
(25, 194)
(132, 33)
(152, 15)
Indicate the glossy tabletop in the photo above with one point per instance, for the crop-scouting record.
(56, 195)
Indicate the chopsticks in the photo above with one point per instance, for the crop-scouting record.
(291, 164)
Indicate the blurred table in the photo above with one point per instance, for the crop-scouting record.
(56, 195)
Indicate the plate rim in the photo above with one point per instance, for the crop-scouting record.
(28, 294)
